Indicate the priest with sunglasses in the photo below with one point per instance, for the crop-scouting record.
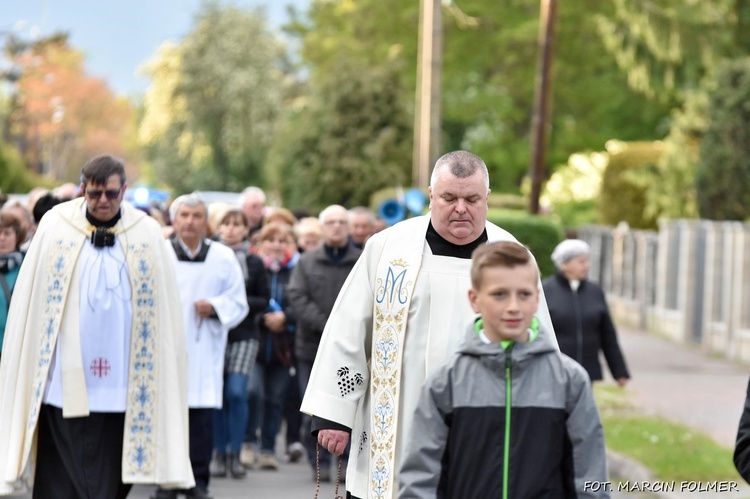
(93, 384)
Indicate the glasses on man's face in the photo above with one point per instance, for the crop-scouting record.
(110, 193)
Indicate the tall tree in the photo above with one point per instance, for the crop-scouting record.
(724, 170)
(670, 50)
(64, 116)
(671, 189)
(176, 155)
(489, 49)
(349, 139)
(668, 46)
(220, 91)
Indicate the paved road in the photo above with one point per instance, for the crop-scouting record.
(685, 385)
(291, 481)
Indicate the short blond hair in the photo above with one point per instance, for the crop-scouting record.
(498, 254)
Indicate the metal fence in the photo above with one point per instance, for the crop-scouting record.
(690, 281)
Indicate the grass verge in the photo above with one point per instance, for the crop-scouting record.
(671, 451)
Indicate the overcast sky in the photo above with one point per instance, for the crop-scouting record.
(118, 36)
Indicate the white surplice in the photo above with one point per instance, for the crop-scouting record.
(438, 315)
(218, 280)
(105, 322)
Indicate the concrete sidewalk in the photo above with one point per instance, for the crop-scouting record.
(683, 384)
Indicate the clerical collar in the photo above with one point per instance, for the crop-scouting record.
(99, 223)
(442, 247)
(183, 252)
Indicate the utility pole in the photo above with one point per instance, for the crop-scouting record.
(427, 122)
(541, 102)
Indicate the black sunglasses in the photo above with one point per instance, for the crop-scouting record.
(111, 194)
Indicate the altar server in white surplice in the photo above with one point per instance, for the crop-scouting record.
(395, 320)
(213, 299)
(93, 383)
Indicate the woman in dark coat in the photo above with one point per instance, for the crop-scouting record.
(272, 374)
(580, 315)
(230, 423)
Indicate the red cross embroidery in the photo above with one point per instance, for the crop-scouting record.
(100, 367)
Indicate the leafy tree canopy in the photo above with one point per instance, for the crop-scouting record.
(668, 46)
(60, 116)
(349, 139)
(211, 112)
(490, 50)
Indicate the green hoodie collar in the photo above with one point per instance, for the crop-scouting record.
(533, 331)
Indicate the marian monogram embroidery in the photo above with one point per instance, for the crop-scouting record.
(392, 299)
(394, 284)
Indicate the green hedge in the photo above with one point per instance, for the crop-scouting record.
(540, 234)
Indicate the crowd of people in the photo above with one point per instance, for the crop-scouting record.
(170, 347)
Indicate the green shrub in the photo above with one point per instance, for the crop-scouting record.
(507, 201)
(13, 174)
(724, 169)
(577, 213)
(626, 182)
(540, 234)
(572, 191)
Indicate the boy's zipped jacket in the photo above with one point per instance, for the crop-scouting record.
(519, 422)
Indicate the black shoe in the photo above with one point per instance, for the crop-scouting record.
(197, 493)
(235, 466)
(164, 494)
(218, 466)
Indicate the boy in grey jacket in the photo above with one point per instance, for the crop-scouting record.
(509, 416)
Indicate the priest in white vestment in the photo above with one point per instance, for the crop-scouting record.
(387, 330)
(93, 383)
(213, 300)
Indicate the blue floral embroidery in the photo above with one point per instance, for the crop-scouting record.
(385, 348)
(380, 476)
(139, 457)
(139, 440)
(383, 413)
(57, 276)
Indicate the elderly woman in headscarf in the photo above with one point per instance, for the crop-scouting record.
(580, 314)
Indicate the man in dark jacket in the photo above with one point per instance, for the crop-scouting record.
(742, 446)
(580, 315)
(314, 286)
